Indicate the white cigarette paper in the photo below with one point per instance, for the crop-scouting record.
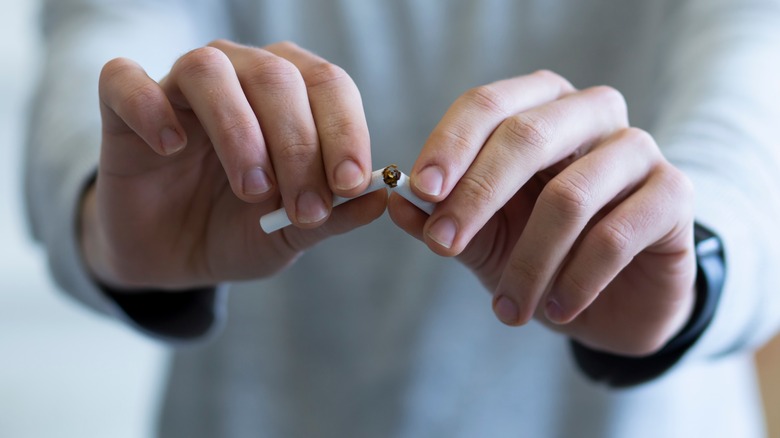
(403, 188)
(278, 219)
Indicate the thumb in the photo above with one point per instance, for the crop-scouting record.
(346, 217)
(131, 103)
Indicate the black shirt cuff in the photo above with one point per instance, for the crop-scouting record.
(176, 316)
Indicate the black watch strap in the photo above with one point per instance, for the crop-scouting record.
(623, 371)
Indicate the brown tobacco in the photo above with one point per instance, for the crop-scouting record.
(391, 175)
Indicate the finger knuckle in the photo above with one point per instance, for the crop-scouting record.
(640, 140)
(486, 98)
(687, 189)
(201, 62)
(528, 273)
(640, 143)
(340, 128)
(577, 289)
(127, 91)
(454, 138)
(241, 129)
(113, 78)
(270, 70)
(637, 136)
(675, 182)
(612, 100)
(553, 77)
(610, 94)
(324, 73)
(614, 237)
(143, 99)
(298, 150)
(481, 189)
(287, 45)
(221, 42)
(533, 133)
(547, 74)
(115, 69)
(569, 194)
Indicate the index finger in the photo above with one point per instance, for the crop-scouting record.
(523, 145)
(338, 114)
(205, 82)
(470, 121)
(276, 93)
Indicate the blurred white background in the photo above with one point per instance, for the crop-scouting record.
(64, 371)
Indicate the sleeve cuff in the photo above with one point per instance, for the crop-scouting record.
(178, 318)
(175, 317)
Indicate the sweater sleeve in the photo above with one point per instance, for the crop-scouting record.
(80, 36)
(720, 97)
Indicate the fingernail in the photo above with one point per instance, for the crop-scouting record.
(171, 141)
(430, 180)
(310, 208)
(506, 310)
(256, 182)
(553, 311)
(348, 175)
(443, 232)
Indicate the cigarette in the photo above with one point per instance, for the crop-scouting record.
(403, 188)
(389, 177)
(276, 220)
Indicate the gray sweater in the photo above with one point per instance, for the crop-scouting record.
(372, 335)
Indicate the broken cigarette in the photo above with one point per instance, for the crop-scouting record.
(403, 188)
(389, 177)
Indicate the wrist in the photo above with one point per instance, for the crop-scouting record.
(91, 244)
(621, 371)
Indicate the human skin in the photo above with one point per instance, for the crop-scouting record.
(561, 209)
(187, 166)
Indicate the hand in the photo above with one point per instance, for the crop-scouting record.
(563, 211)
(189, 165)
